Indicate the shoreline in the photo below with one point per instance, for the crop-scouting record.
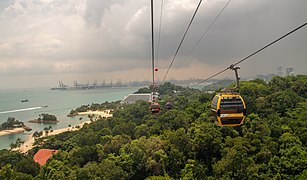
(43, 122)
(29, 141)
(105, 113)
(12, 131)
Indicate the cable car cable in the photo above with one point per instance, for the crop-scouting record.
(181, 41)
(208, 28)
(152, 46)
(254, 53)
(159, 34)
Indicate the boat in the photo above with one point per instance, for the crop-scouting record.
(25, 100)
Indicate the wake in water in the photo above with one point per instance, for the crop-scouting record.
(20, 110)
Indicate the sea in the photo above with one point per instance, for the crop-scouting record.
(55, 102)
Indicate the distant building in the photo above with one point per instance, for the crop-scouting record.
(266, 77)
(132, 98)
(289, 71)
(280, 70)
(43, 155)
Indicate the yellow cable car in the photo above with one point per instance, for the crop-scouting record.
(229, 109)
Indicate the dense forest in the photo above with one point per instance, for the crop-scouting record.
(184, 142)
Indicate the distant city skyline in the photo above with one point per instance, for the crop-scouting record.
(43, 42)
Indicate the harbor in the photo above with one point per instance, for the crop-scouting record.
(88, 86)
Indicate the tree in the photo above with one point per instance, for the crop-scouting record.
(10, 124)
(283, 100)
(115, 144)
(235, 162)
(55, 170)
(36, 135)
(107, 169)
(81, 156)
(16, 165)
(17, 143)
(6, 172)
(292, 156)
(27, 166)
(184, 142)
(207, 142)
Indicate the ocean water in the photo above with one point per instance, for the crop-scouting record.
(59, 103)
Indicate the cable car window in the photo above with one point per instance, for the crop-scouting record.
(155, 106)
(232, 105)
(214, 102)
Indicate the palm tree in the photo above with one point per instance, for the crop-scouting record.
(36, 135)
(46, 129)
(17, 144)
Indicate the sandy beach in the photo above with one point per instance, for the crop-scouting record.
(12, 131)
(29, 141)
(106, 113)
(28, 144)
(58, 131)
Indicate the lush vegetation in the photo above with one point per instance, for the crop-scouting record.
(94, 107)
(185, 142)
(45, 118)
(11, 123)
(17, 166)
(218, 85)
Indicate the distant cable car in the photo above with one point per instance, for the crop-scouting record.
(153, 96)
(155, 107)
(169, 105)
(229, 109)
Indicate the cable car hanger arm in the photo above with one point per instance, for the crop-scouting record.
(261, 49)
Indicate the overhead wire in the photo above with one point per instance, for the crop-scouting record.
(254, 53)
(159, 34)
(208, 28)
(152, 47)
(181, 41)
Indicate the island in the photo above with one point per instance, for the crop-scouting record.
(45, 119)
(13, 126)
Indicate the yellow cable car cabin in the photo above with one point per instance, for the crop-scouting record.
(229, 109)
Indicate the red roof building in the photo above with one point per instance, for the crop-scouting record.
(43, 155)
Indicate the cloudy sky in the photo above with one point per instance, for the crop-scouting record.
(44, 41)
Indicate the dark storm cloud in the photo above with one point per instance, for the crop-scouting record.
(80, 36)
(244, 27)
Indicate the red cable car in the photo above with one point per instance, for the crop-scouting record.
(155, 107)
(169, 105)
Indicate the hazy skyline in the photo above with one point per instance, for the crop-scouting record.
(44, 41)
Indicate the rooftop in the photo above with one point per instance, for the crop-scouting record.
(43, 155)
(132, 98)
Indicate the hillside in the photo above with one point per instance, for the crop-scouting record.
(184, 142)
